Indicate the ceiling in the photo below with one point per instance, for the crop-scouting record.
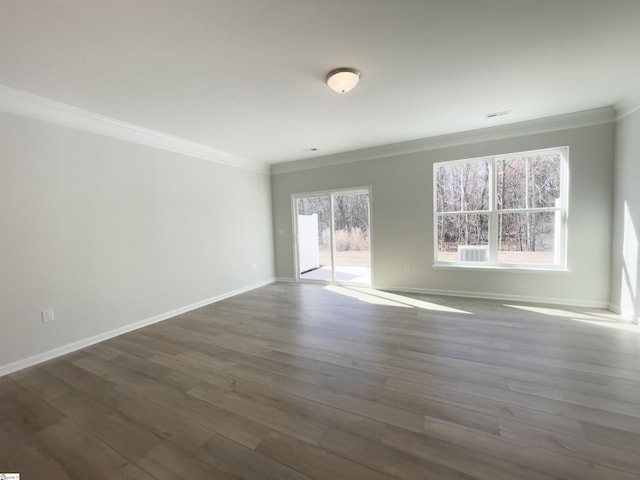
(246, 77)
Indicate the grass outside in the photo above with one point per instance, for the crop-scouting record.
(346, 259)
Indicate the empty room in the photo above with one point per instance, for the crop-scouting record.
(320, 239)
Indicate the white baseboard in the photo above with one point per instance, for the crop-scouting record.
(630, 316)
(497, 296)
(490, 296)
(614, 308)
(86, 342)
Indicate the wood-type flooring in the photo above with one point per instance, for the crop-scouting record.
(298, 381)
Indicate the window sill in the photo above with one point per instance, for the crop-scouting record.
(501, 268)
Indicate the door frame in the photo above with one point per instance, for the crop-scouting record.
(294, 222)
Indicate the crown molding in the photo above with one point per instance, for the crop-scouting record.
(40, 108)
(548, 124)
(627, 106)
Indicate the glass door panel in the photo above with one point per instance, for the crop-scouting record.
(314, 238)
(351, 252)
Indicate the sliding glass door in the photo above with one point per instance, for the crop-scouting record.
(333, 237)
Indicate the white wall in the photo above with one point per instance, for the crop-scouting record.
(109, 233)
(402, 217)
(625, 274)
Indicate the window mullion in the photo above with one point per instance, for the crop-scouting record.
(493, 213)
(530, 210)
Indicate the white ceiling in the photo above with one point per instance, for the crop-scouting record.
(247, 76)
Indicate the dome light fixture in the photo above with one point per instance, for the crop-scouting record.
(343, 80)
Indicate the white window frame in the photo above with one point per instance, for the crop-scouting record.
(492, 264)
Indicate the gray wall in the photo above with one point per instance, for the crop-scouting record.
(109, 233)
(402, 218)
(625, 274)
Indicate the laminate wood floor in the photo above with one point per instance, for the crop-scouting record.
(295, 381)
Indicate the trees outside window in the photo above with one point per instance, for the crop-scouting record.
(507, 210)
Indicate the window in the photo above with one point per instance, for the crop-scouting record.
(503, 211)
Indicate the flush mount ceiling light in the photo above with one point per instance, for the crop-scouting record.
(343, 80)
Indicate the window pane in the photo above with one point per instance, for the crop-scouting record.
(448, 185)
(352, 259)
(528, 238)
(462, 187)
(544, 188)
(510, 184)
(463, 238)
(528, 181)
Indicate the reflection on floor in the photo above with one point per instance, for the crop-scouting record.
(360, 275)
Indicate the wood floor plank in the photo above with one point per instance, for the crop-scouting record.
(552, 463)
(132, 379)
(467, 461)
(131, 472)
(103, 351)
(497, 408)
(238, 461)
(239, 428)
(78, 378)
(536, 363)
(533, 372)
(368, 408)
(8, 385)
(599, 416)
(215, 372)
(20, 454)
(411, 403)
(385, 367)
(41, 383)
(162, 421)
(179, 379)
(315, 462)
(261, 413)
(82, 454)
(611, 437)
(324, 416)
(127, 438)
(541, 358)
(29, 410)
(168, 409)
(572, 446)
(579, 398)
(385, 459)
(168, 462)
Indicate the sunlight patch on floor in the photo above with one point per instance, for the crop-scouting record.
(363, 296)
(554, 312)
(619, 325)
(379, 297)
(603, 319)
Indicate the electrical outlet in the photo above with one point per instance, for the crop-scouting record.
(406, 268)
(48, 315)
(254, 267)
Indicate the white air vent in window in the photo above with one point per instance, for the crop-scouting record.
(473, 253)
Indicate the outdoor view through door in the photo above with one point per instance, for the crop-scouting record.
(333, 236)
